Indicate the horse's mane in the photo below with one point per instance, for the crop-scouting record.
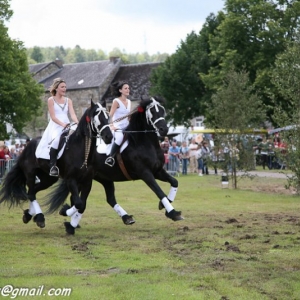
(82, 128)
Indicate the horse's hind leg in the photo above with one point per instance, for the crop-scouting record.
(34, 207)
(109, 188)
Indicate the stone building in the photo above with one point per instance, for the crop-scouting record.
(91, 80)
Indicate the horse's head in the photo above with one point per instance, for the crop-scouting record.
(98, 117)
(155, 115)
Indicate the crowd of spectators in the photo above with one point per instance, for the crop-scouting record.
(197, 157)
(8, 155)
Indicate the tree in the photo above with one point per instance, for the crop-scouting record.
(37, 54)
(235, 110)
(20, 94)
(177, 79)
(286, 78)
(250, 36)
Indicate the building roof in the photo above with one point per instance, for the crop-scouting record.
(78, 75)
(38, 67)
(83, 75)
(137, 76)
(94, 74)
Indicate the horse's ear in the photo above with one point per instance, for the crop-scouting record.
(159, 98)
(92, 103)
(103, 103)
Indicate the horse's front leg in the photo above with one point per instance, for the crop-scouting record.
(73, 212)
(109, 188)
(162, 175)
(171, 213)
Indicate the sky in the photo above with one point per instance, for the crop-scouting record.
(153, 26)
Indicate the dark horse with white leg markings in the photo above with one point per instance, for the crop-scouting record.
(141, 159)
(75, 166)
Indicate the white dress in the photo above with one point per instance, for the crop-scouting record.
(120, 112)
(51, 136)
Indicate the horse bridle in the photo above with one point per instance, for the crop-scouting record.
(95, 123)
(149, 115)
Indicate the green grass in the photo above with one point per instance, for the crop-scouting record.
(233, 244)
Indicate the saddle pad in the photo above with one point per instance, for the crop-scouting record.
(103, 148)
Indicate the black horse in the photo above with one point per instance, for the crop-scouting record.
(141, 159)
(75, 166)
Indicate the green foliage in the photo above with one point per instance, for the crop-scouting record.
(178, 81)
(286, 78)
(251, 35)
(5, 11)
(19, 92)
(77, 55)
(235, 109)
(36, 54)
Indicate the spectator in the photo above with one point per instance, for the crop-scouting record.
(193, 147)
(205, 157)
(215, 158)
(264, 151)
(174, 152)
(199, 160)
(17, 147)
(165, 145)
(13, 153)
(185, 152)
(2, 153)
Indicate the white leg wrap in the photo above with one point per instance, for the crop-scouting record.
(172, 193)
(75, 219)
(36, 207)
(71, 211)
(31, 209)
(120, 211)
(168, 206)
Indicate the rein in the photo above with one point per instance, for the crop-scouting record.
(149, 116)
(93, 124)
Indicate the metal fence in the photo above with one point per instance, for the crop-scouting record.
(5, 166)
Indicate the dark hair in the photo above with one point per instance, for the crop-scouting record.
(116, 86)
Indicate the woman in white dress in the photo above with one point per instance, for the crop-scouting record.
(59, 106)
(121, 107)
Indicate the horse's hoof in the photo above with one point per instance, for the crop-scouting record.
(39, 219)
(63, 211)
(128, 220)
(174, 215)
(69, 228)
(26, 216)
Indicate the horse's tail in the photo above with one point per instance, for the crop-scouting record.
(13, 188)
(57, 197)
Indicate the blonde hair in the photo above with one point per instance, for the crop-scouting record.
(55, 84)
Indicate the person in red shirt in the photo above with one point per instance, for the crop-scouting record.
(2, 153)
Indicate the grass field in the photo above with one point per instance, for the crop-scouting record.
(233, 244)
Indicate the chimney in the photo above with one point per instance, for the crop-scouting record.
(58, 62)
(113, 59)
